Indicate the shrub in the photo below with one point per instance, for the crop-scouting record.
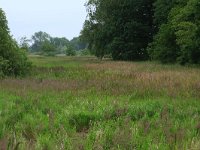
(70, 51)
(85, 52)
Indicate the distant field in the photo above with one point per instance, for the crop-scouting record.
(84, 103)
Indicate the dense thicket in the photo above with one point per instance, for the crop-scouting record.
(13, 60)
(124, 28)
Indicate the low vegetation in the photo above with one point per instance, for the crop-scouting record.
(84, 103)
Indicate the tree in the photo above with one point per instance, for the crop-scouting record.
(59, 44)
(43, 43)
(187, 28)
(25, 43)
(78, 44)
(38, 39)
(122, 28)
(48, 48)
(13, 60)
(178, 39)
(162, 9)
(164, 47)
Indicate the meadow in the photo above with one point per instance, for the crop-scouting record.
(82, 103)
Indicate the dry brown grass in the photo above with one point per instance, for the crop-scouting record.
(115, 78)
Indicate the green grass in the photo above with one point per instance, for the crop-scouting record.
(84, 103)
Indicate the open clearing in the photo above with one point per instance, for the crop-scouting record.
(84, 103)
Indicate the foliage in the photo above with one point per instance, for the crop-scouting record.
(70, 51)
(164, 47)
(85, 52)
(177, 39)
(59, 44)
(13, 60)
(162, 9)
(25, 44)
(48, 48)
(122, 28)
(45, 44)
(187, 27)
(78, 44)
(38, 39)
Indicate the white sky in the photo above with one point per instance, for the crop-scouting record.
(59, 18)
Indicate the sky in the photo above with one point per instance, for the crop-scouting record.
(59, 18)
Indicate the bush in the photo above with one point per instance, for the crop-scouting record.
(70, 51)
(16, 64)
(85, 52)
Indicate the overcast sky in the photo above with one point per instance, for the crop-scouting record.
(59, 18)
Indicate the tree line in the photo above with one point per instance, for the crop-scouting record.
(43, 43)
(164, 30)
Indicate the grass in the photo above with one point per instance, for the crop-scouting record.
(83, 103)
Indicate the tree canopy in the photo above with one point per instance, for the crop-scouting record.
(178, 38)
(164, 30)
(122, 28)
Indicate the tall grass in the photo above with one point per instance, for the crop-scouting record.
(84, 103)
